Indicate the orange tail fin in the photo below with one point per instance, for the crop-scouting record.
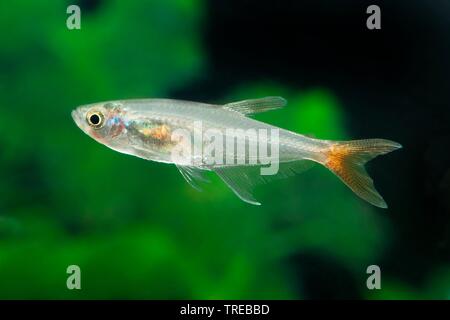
(346, 159)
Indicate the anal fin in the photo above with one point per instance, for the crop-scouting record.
(238, 180)
(243, 179)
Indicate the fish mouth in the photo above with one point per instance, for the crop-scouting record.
(78, 118)
(74, 115)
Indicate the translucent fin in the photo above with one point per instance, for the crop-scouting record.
(192, 175)
(256, 105)
(242, 179)
(346, 159)
(238, 180)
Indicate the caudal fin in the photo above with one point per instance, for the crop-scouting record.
(346, 159)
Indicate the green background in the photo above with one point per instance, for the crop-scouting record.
(136, 228)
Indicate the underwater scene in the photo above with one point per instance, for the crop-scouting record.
(83, 216)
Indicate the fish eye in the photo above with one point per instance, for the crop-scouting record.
(95, 119)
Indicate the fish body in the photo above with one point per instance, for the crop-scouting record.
(153, 129)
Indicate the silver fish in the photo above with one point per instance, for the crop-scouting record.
(146, 128)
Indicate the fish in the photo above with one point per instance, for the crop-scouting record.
(150, 129)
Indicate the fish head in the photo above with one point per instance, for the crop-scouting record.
(101, 121)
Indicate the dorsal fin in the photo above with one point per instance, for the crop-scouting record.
(256, 105)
